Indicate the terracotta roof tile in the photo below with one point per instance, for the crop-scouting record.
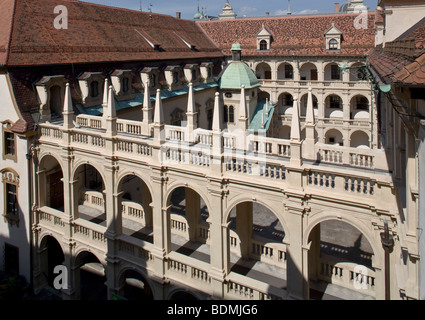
(96, 33)
(302, 35)
(6, 18)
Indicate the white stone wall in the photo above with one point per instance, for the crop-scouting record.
(17, 236)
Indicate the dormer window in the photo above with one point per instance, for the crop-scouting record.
(264, 38)
(151, 74)
(121, 81)
(91, 88)
(206, 70)
(51, 93)
(173, 76)
(333, 38)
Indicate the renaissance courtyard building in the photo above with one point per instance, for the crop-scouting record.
(161, 158)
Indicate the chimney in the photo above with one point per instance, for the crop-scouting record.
(267, 14)
(178, 15)
(336, 6)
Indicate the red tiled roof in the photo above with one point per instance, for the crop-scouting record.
(402, 60)
(300, 35)
(95, 33)
(6, 18)
(414, 73)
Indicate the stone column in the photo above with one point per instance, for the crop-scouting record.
(161, 222)
(193, 205)
(219, 254)
(244, 227)
(297, 281)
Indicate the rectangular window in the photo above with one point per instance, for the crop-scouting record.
(11, 200)
(11, 259)
(9, 143)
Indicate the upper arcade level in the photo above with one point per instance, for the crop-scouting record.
(240, 155)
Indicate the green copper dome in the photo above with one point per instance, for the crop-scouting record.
(236, 47)
(236, 74)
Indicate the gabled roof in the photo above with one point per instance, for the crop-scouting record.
(95, 33)
(299, 35)
(333, 30)
(264, 31)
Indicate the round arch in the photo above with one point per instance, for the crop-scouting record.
(360, 139)
(263, 70)
(185, 294)
(51, 254)
(242, 199)
(94, 164)
(122, 277)
(125, 173)
(340, 216)
(79, 255)
(282, 72)
(334, 136)
(44, 155)
(174, 186)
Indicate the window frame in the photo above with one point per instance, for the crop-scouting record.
(333, 44)
(10, 179)
(263, 45)
(9, 143)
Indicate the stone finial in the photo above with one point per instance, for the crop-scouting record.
(110, 110)
(147, 96)
(310, 109)
(105, 93)
(159, 115)
(191, 100)
(217, 113)
(295, 124)
(67, 106)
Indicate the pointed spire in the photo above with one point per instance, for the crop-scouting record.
(262, 119)
(147, 96)
(191, 100)
(110, 111)
(295, 124)
(159, 115)
(67, 106)
(310, 109)
(242, 104)
(105, 94)
(267, 106)
(217, 113)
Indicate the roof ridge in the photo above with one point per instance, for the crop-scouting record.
(318, 15)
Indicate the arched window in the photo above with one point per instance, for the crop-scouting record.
(263, 45)
(333, 44)
(94, 89)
